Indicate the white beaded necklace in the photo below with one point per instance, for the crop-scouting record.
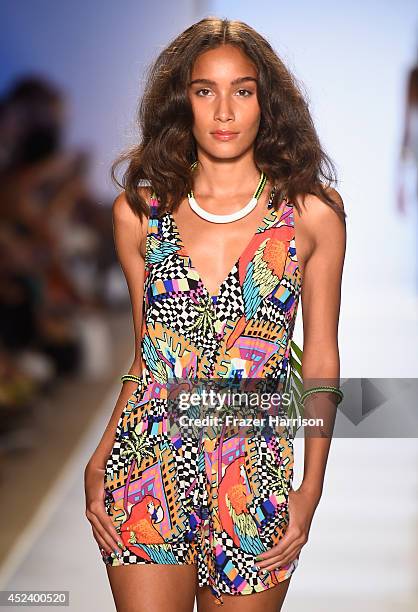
(239, 214)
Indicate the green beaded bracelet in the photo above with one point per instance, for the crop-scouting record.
(131, 377)
(322, 388)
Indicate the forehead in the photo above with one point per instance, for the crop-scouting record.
(225, 62)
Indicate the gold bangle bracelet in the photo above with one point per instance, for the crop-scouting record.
(132, 377)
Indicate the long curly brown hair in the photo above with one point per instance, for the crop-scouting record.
(286, 149)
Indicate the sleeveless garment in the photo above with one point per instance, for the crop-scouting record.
(221, 502)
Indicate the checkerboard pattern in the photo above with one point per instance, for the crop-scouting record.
(207, 496)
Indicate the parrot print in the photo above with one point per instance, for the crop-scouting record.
(211, 498)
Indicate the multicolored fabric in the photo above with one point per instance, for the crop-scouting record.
(220, 502)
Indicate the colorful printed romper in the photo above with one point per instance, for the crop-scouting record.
(222, 502)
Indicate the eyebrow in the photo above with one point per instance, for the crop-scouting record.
(234, 82)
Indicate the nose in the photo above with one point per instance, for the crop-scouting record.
(224, 110)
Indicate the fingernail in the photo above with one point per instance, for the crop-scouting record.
(255, 568)
(120, 544)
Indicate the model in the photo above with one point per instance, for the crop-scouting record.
(227, 216)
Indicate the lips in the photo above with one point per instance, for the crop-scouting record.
(220, 135)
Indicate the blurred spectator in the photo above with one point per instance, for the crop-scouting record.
(408, 170)
(56, 247)
(409, 146)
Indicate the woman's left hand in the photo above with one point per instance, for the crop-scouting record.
(302, 505)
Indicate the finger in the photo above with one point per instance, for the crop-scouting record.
(277, 549)
(98, 513)
(103, 546)
(107, 524)
(109, 545)
(294, 547)
(277, 566)
(105, 535)
(286, 559)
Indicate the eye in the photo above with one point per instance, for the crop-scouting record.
(203, 89)
(247, 92)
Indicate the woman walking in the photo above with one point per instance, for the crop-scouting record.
(224, 222)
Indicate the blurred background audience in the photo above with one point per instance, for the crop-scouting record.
(56, 256)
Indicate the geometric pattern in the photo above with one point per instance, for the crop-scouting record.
(217, 500)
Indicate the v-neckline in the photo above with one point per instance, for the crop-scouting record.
(268, 214)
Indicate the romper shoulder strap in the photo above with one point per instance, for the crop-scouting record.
(152, 200)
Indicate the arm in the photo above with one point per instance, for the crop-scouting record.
(129, 232)
(321, 297)
(128, 235)
(405, 146)
(321, 240)
(406, 125)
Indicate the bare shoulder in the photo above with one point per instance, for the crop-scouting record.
(122, 210)
(319, 228)
(314, 207)
(319, 218)
(126, 220)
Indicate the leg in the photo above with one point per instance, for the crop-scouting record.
(153, 587)
(270, 600)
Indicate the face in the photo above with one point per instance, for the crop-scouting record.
(223, 95)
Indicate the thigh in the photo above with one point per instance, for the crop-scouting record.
(153, 587)
(270, 600)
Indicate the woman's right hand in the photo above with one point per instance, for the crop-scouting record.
(104, 531)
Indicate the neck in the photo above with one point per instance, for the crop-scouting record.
(225, 178)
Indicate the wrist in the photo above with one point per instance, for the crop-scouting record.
(311, 490)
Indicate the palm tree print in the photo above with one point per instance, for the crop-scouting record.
(206, 317)
(138, 448)
(275, 471)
